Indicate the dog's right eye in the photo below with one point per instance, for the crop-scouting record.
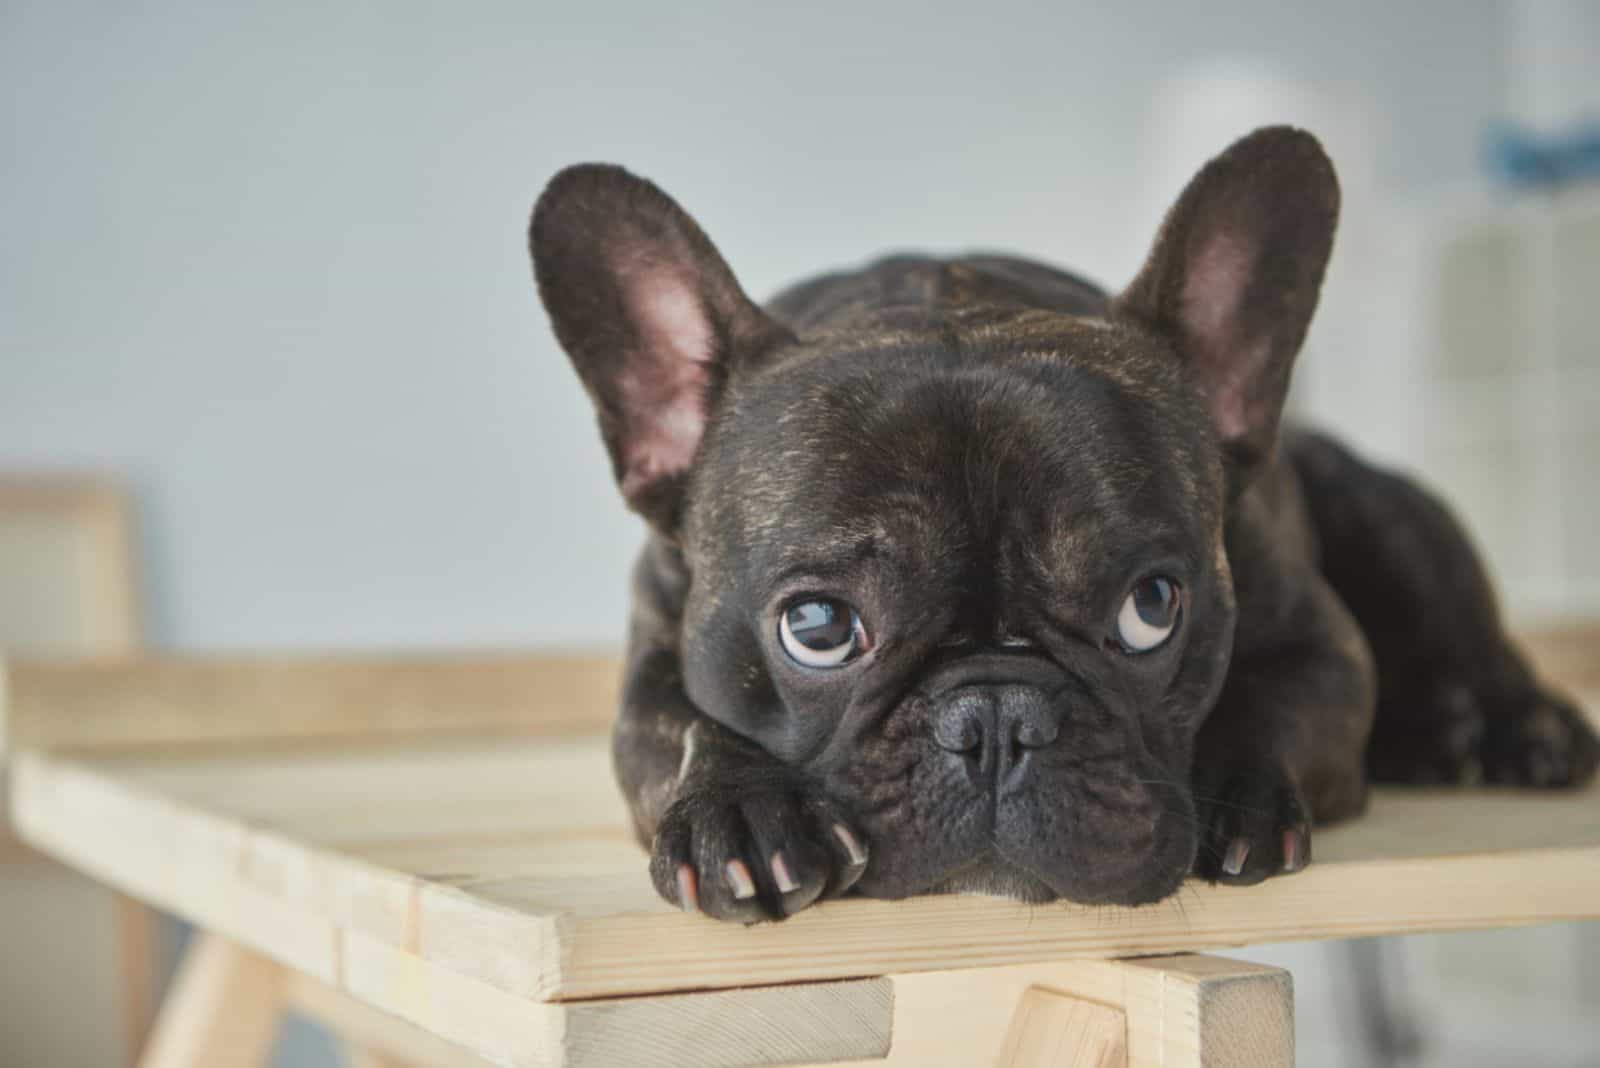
(1149, 614)
(821, 632)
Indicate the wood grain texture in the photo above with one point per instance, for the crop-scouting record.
(1181, 1011)
(1053, 1030)
(203, 865)
(167, 702)
(507, 862)
(486, 891)
(1200, 1012)
(749, 1026)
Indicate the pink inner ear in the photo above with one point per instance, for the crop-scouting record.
(663, 387)
(1225, 359)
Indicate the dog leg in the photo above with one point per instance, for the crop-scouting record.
(1457, 703)
(732, 831)
(1282, 749)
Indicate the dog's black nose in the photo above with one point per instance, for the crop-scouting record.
(992, 728)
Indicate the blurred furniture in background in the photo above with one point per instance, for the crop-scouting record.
(1505, 383)
(1469, 355)
(429, 855)
(67, 589)
(66, 569)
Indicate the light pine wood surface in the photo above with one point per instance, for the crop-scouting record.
(1053, 1030)
(1184, 1011)
(166, 702)
(484, 887)
(509, 863)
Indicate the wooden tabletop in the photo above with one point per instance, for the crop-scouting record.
(463, 881)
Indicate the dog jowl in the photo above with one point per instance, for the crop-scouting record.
(964, 575)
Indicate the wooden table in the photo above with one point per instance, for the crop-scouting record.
(431, 856)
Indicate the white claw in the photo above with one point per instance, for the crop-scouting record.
(739, 880)
(858, 856)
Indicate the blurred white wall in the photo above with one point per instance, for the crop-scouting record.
(269, 264)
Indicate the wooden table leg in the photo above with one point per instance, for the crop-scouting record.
(1185, 1011)
(223, 1008)
(1193, 1011)
(138, 938)
(1056, 1031)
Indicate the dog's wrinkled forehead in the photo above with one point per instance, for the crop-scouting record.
(1066, 433)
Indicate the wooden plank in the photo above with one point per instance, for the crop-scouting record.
(626, 943)
(1053, 1030)
(1179, 1011)
(138, 954)
(1195, 1012)
(166, 702)
(732, 1028)
(194, 862)
(224, 1008)
(164, 854)
(816, 1022)
(203, 838)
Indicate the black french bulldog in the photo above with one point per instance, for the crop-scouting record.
(965, 576)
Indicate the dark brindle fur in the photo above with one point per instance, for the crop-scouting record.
(982, 454)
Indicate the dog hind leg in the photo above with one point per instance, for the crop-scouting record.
(1457, 702)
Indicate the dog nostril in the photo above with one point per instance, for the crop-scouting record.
(959, 727)
(1036, 733)
(1027, 718)
(962, 737)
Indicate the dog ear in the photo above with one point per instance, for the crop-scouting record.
(651, 317)
(1233, 280)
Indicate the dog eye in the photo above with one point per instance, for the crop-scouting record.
(821, 632)
(1149, 615)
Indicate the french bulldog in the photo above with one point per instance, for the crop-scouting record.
(964, 575)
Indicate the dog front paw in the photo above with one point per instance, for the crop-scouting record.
(1253, 824)
(754, 849)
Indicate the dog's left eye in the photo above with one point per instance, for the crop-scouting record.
(1149, 614)
(821, 632)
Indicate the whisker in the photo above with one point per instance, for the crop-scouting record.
(1204, 799)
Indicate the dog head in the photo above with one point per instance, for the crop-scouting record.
(955, 529)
